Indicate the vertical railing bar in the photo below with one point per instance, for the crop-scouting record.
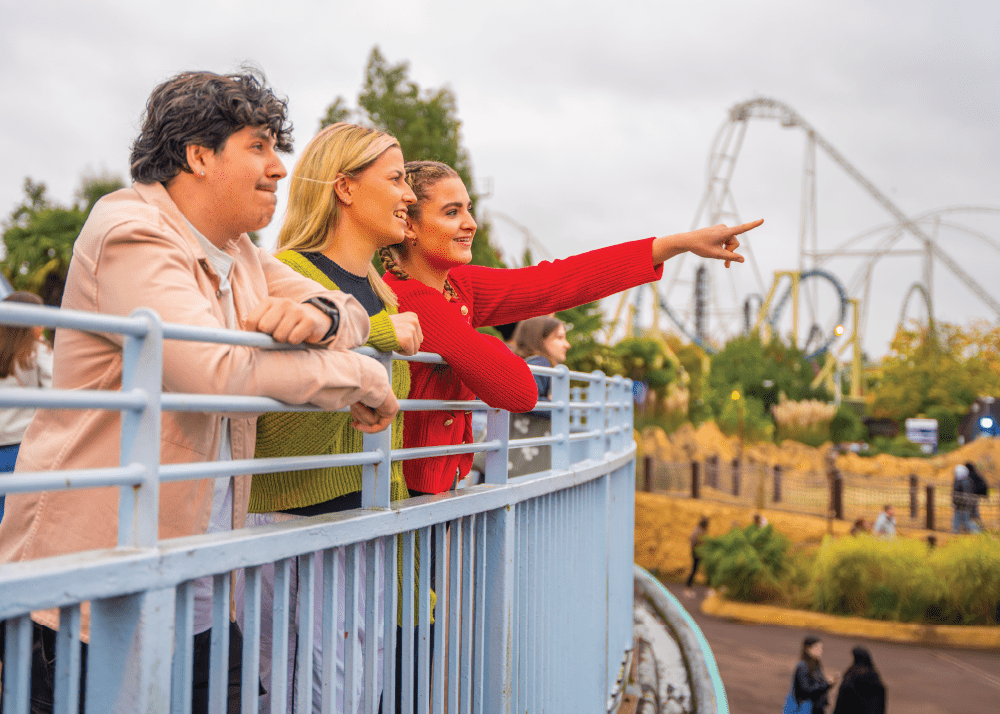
(279, 636)
(497, 429)
(407, 624)
(424, 622)
(17, 665)
(249, 692)
(454, 614)
(376, 478)
(534, 591)
(371, 626)
(437, 696)
(332, 637)
(479, 616)
(560, 419)
(468, 577)
(515, 626)
(524, 608)
(304, 642)
(218, 680)
(68, 656)
(142, 369)
(183, 664)
(390, 619)
(352, 586)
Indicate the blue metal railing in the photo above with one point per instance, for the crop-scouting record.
(533, 574)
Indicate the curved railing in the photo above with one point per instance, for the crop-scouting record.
(533, 574)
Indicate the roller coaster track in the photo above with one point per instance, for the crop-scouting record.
(718, 205)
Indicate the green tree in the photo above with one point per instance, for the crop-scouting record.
(927, 371)
(644, 359)
(39, 236)
(760, 371)
(582, 325)
(424, 121)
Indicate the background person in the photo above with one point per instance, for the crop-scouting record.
(862, 690)
(430, 274)
(963, 500)
(809, 684)
(696, 539)
(885, 524)
(25, 361)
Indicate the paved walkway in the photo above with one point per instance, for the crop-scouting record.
(756, 663)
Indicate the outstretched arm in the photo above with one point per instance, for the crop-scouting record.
(713, 242)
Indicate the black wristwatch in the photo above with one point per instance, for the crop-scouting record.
(328, 308)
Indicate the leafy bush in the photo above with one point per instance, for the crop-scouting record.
(846, 426)
(756, 425)
(969, 572)
(750, 563)
(958, 583)
(947, 423)
(807, 421)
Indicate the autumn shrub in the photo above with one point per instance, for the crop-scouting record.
(901, 580)
(756, 425)
(969, 572)
(807, 421)
(869, 577)
(750, 563)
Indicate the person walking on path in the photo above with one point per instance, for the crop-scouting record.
(862, 691)
(963, 499)
(697, 536)
(885, 524)
(809, 685)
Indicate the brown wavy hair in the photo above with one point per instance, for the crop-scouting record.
(17, 344)
(203, 109)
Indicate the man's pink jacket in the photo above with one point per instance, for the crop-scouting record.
(136, 251)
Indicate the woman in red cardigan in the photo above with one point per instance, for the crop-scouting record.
(430, 275)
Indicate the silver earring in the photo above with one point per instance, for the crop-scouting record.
(203, 174)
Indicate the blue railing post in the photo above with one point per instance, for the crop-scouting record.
(497, 429)
(376, 479)
(560, 419)
(142, 370)
(131, 636)
(597, 395)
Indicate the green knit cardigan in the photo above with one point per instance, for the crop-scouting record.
(311, 433)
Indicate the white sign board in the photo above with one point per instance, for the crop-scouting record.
(923, 432)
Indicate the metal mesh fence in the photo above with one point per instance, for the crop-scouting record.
(918, 504)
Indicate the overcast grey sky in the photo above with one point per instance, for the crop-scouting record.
(592, 122)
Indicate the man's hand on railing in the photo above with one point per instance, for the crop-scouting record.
(374, 419)
(408, 333)
(288, 321)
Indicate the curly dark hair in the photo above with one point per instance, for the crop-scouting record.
(205, 109)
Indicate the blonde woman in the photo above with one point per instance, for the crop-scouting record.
(348, 198)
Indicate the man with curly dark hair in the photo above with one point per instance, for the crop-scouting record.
(206, 169)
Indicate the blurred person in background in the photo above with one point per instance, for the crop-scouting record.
(697, 537)
(862, 690)
(25, 361)
(885, 524)
(809, 685)
(963, 501)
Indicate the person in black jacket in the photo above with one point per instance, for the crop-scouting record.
(809, 681)
(862, 691)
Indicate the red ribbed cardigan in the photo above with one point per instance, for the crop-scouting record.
(482, 366)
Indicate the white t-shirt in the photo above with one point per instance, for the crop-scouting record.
(222, 496)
